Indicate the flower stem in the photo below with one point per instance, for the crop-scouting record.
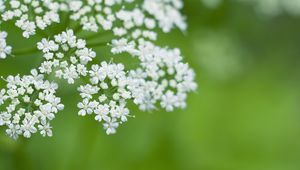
(93, 36)
(66, 22)
(100, 44)
(25, 51)
(77, 29)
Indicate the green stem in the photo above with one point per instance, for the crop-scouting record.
(77, 29)
(100, 44)
(66, 22)
(93, 36)
(21, 155)
(25, 51)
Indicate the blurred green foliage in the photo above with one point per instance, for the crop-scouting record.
(244, 116)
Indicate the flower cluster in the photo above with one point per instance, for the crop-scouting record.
(167, 13)
(28, 104)
(67, 55)
(134, 24)
(160, 79)
(107, 14)
(4, 48)
(93, 13)
(30, 14)
(110, 81)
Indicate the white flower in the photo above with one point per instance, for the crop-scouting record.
(47, 46)
(5, 118)
(2, 6)
(93, 14)
(162, 76)
(45, 129)
(110, 81)
(31, 103)
(85, 55)
(144, 18)
(45, 112)
(4, 48)
(120, 46)
(166, 12)
(28, 127)
(168, 101)
(102, 112)
(85, 107)
(44, 14)
(69, 67)
(3, 96)
(13, 131)
(110, 126)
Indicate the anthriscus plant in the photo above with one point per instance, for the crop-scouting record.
(161, 79)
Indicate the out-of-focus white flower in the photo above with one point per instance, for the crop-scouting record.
(122, 19)
(221, 56)
(30, 14)
(268, 8)
(275, 7)
(166, 12)
(212, 3)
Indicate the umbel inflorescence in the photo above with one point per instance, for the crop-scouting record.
(161, 79)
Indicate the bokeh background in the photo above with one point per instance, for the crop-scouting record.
(244, 116)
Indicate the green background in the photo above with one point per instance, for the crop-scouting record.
(245, 114)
